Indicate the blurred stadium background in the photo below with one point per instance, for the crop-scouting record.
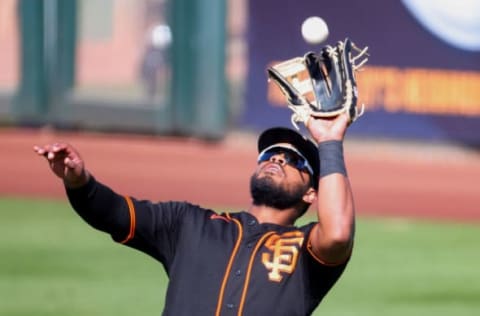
(181, 67)
(147, 89)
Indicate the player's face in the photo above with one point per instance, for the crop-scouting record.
(280, 180)
(284, 155)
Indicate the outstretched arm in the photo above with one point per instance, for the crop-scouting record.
(152, 228)
(332, 237)
(97, 204)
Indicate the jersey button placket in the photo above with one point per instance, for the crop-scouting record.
(252, 228)
(237, 274)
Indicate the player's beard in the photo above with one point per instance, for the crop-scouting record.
(266, 192)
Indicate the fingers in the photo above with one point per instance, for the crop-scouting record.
(50, 151)
(39, 150)
(45, 151)
(65, 163)
(60, 153)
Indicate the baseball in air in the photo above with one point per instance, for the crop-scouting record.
(314, 30)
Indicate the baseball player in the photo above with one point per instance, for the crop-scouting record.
(254, 262)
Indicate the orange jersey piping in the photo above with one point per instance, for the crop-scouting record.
(131, 211)
(229, 266)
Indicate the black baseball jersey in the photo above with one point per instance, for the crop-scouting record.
(217, 264)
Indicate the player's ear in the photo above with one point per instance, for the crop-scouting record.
(310, 196)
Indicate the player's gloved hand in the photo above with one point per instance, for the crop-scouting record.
(328, 128)
(65, 163)
(323, 84)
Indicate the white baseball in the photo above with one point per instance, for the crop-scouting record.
(314, 30)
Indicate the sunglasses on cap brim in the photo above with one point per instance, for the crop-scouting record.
(292, 157)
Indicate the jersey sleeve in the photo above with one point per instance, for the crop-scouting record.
(155, 228)
(319, 276)
(100, 207)
(152, 228)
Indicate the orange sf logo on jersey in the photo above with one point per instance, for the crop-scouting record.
(283, 254)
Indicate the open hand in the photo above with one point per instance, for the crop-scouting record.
(65, 163)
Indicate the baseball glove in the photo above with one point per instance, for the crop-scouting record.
(321, 85)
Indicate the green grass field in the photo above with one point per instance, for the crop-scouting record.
(51, 263)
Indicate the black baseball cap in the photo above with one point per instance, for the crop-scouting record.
(306, 147)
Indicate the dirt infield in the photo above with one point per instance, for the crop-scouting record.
(415, 180)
